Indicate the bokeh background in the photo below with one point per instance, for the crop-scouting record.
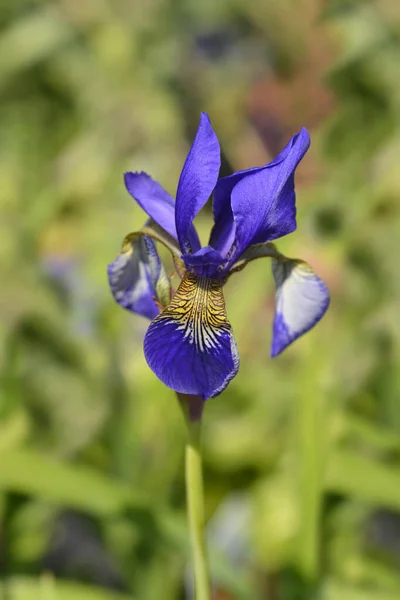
(302, 453)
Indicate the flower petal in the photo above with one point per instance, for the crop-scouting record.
(262, 199)
(205, 262)
(190, 345)
(223, 233)
(302, 298)
(159, 278)
(137, 277)
(154, 200)
(197, 181)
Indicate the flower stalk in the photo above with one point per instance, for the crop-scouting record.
(192, 407)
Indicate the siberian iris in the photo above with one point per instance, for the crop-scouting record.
(190, 344)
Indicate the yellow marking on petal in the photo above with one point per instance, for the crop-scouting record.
(128, 243)
(304, 268)
(198, 308)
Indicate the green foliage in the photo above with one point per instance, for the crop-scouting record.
(305, 448)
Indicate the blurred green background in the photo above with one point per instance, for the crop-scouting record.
(302, 453)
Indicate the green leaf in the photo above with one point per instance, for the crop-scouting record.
(69, 485)
(87, 490)
(32, 39)
(364, 478)
(337, 591)
(46, 588)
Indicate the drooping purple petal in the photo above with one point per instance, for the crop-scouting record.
(137, 277)
(197, 181)
(261, 200)
(190, 345)
(302, 299)
(153, 199)
(205, 262)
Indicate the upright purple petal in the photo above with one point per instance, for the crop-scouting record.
(190, 345)
(223, 233)
(137, 277)
(261, 199)
(302, 299)
(153, 199)
(197, 181)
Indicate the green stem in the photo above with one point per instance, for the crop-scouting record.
(193, 407)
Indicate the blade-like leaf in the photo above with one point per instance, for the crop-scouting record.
(45, 588)
(364, 478)
(31, 473)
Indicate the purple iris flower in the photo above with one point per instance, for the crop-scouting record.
(190, 344)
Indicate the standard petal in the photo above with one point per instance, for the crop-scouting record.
(197, 181)
(190, 345)
(262, 199)
(137, 277)
(302, 299)
(154, 200)
(223, 233)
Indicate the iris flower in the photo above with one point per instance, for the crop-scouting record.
(190, 344)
